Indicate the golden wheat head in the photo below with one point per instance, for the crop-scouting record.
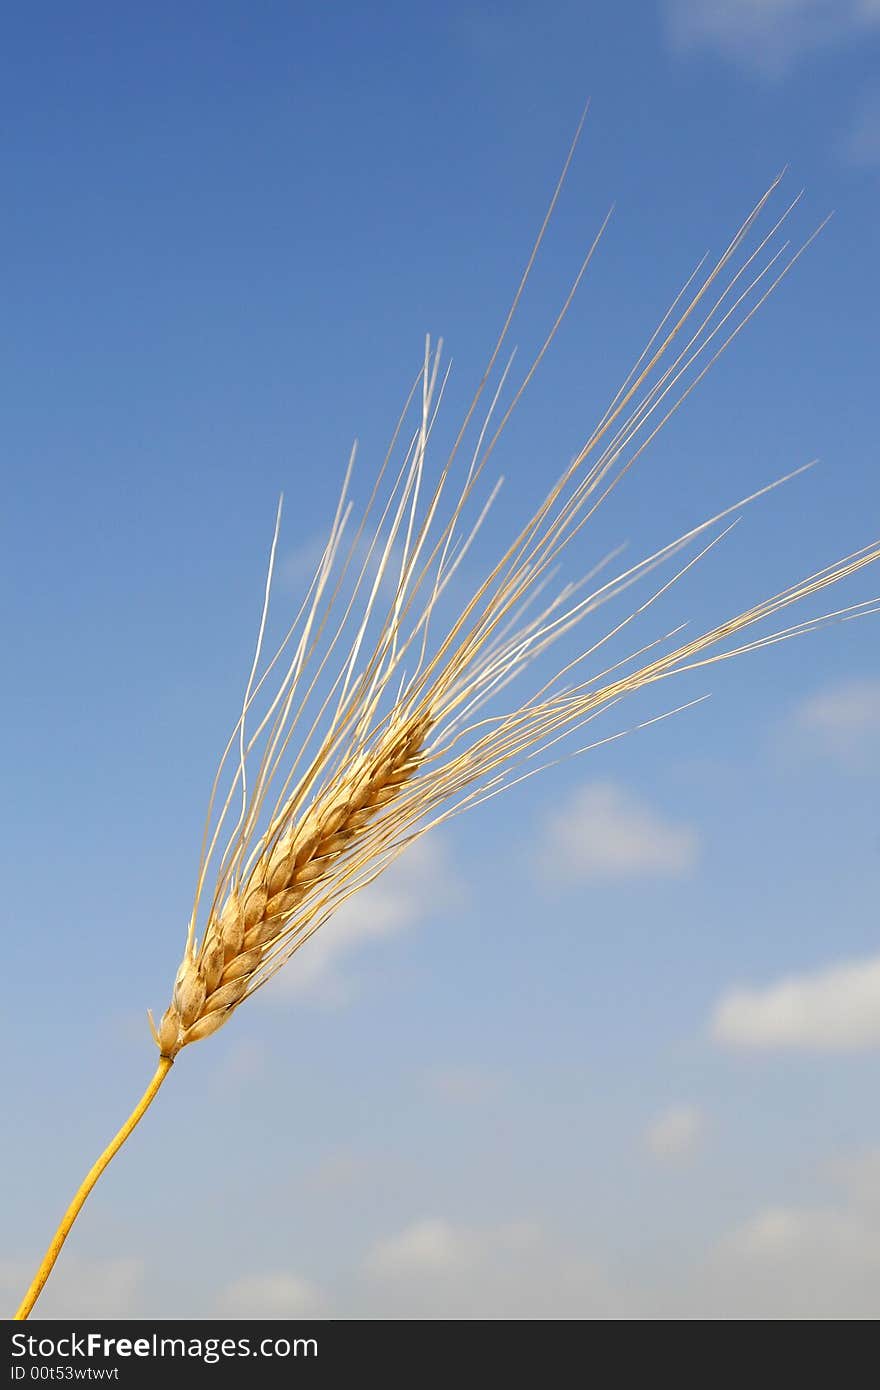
(400, 724)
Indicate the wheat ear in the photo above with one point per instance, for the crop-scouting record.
(397, 728)
(238, 939)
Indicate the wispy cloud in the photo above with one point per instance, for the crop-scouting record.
(436, 1269)
(675, 1134)
(843, 719)
(784, 1260)
(271, 1295)
(768, 36)
(604, 831)
(803, 1262)
(832, 1010)
(428, 1246)
(419, 885)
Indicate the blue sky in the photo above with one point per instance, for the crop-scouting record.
(603, 1049)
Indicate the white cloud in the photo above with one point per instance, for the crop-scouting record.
(843, 720)
(675, 1134)
(834, 1010)
(769, 36)
(779, 1231)
(425, 1247)
(274, 1295)
(784, 1261)
(78, 1288)
(605, 832)
(435, 1269)
(798, 1263)
(420, 884)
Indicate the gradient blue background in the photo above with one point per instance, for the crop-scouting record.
(225, 230)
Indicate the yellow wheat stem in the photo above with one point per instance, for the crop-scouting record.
(86, 1186)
